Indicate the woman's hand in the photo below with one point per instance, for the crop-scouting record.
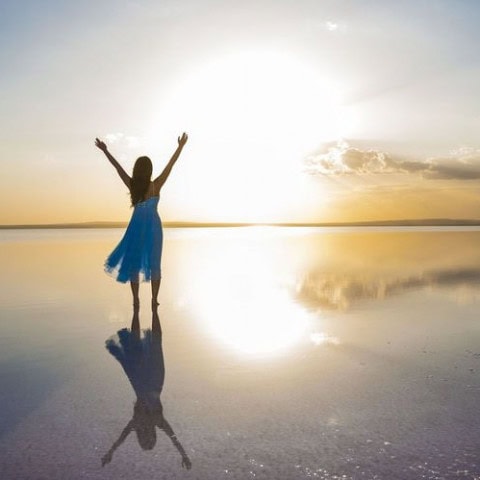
(107, 458)
(186, 463)
(182, 140)
(101, 145)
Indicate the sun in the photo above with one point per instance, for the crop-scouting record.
(259, 96)
(253, 116)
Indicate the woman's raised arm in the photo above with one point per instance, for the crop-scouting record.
(162, 178)
(165, 426)
(123, 174)
(107, 458)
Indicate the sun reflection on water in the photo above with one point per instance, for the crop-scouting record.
(244, 301)
(254, 321)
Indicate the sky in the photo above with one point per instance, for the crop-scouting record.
(296, 110)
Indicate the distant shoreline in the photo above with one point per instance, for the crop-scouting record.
(428, 222)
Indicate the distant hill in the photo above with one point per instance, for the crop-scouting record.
(424, 222)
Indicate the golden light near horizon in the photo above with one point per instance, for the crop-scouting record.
(252, 117)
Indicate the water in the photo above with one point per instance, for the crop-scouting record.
(288, 353)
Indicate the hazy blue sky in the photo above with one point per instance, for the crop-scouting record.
(313, 108)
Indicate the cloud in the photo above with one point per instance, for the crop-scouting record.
(344, 159)
(457, 169)
(126, 141)
(331, 26)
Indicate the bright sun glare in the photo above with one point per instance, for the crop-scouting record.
(260, 97)
(253, 117)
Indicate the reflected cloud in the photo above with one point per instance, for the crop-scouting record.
(140, 354)
(321, 338)
(323, 290)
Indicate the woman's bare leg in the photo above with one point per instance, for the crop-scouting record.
(135, 327)
(134, 286)
(156, 328)
(155, 289)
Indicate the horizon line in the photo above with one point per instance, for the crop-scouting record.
(427, 222)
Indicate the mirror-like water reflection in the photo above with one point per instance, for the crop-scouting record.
(291, 353)
(262, 292)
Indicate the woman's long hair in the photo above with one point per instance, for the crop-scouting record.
(145, 421)
(142, 173)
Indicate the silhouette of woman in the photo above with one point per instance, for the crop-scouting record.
(141, 358)
(138, 255)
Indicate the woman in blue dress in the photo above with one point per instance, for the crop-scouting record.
(138, 255)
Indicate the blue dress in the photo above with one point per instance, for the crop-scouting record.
(137, 257)
(142, 360)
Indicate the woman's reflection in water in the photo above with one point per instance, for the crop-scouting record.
(141, 357)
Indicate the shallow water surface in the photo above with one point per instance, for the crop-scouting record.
(285, 353)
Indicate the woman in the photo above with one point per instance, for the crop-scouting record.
(137, 257)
